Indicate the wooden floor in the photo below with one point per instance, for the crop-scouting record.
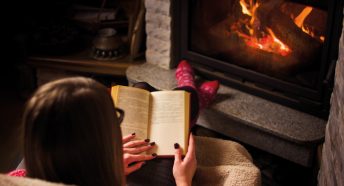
(11, 133)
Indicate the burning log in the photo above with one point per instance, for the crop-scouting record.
(260, 37)
(314, 23)
(263, 13)
(301, 44)
(230, 47)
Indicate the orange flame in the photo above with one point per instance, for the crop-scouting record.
(268, 42)
(299, 20)
(244, 8)
(302, 16)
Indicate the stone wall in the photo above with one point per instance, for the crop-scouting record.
(332, 165)
(158, 29)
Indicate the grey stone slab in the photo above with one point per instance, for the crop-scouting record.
(233, 110)
(159, 78)
(268, 116)
(221, 123)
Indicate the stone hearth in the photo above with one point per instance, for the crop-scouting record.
(268, 126)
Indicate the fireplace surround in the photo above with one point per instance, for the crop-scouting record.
(224, 42)
(272, 127)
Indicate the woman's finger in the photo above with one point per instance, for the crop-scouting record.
(139, 157)
(191, 149)
(137, 150)
(135, 143)
(177, 154)
(128, 138)
(134, 167)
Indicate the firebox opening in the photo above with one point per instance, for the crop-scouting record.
(282, 50)
(281, 39)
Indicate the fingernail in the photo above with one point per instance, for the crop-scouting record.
(154, 154)
(176, 146)
(133, 134)
(152, 143)
(147, 140)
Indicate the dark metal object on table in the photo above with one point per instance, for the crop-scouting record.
(107, 45)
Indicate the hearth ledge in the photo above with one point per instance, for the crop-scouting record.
(266, 125)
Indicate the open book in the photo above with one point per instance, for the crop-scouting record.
(162, 116)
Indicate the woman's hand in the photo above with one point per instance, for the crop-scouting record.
(184, 169)
(132, 159)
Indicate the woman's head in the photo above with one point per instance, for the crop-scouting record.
(72, 134)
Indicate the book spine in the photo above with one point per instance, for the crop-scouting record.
(187, 121)
(114, 94)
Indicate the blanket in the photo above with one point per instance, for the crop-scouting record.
(6, 180)
(224, 162)
(219, 162)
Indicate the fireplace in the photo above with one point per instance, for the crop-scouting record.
(281, 50)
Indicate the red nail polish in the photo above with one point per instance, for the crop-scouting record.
(152, 143)
(133, 134)
(147, 140)
(154, 154)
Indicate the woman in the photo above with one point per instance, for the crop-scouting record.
(72, 135)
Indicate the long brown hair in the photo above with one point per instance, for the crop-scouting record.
(72, 134)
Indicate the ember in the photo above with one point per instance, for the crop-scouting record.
(255, 35)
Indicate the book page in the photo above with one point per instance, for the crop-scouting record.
(169, 121)
(135, 103)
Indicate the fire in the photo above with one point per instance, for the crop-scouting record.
(302, 16)
(299, 20)
(256, 37)
(244, 8)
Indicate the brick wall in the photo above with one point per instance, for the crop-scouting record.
(332, 165)
(158, 29)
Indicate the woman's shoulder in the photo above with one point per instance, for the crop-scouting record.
(18, 173)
